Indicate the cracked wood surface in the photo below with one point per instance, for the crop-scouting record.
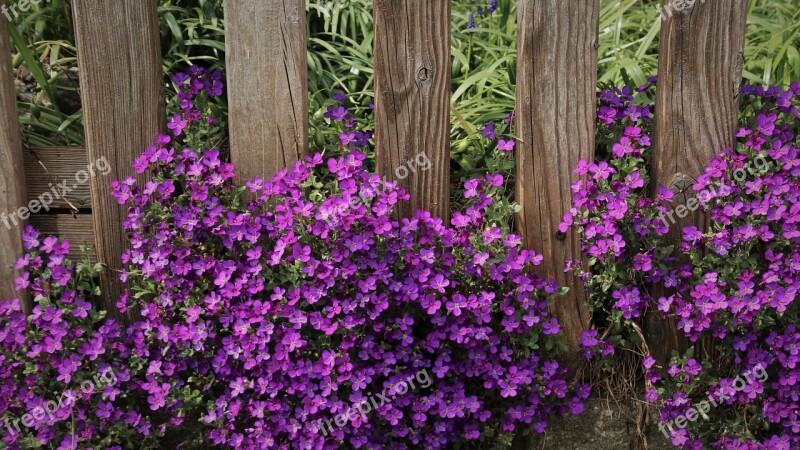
(121, 83)
(267, 76)
(412, 100)
(12, 175)
(556, 84)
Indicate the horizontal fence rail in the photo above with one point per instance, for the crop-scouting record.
(47, 168)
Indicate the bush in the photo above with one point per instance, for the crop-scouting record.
(277, 306)
(64, 377)
(295, 310)
(737, 289)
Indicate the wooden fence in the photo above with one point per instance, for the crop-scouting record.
(700, 65)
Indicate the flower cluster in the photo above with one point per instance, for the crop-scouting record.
(276, 317)
(50, 360)
(739, 284)
(195, 105)
(354, 133)
(742, 281)
(256, 316)
(481, 9)
(489, 149)
(617, 222)
(503, 145)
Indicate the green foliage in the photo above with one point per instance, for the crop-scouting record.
(340, 51)
(192, 32)
(628, 41)
(340, 56)
(629, 32)
(46, 61)
(772, 43)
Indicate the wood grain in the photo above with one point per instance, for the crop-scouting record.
(265, 42)
(697, 107)
(121, 82)
(412, 100)
(49, 167)
(556, 85)
(12, 176)
(78, 230)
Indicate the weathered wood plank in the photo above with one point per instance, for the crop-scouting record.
(46, 168)
(267, 74)
(119, 58)
(557, 81)
(78, 230)
(12, 177)
(697, 108)
(412, 100)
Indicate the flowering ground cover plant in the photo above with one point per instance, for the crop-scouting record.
(282, 302)
(64, 376)
(619, 224)
(269, 307)
(739, 287)
(742, 283)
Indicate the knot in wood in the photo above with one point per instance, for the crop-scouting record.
(681, 186)
(422, 74)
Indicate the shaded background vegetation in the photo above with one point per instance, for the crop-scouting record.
(340, 57)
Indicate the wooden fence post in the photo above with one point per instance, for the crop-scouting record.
(412, 100)
(121, 82)
(556, 103)
(697, 108)
(12, 175)
(266, 64)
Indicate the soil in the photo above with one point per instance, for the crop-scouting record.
(600, 427)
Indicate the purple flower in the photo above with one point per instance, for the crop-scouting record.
(505, 146)
(336, 113)
(177, 124)
(488, 131)
(470, 21)
(347, 138)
